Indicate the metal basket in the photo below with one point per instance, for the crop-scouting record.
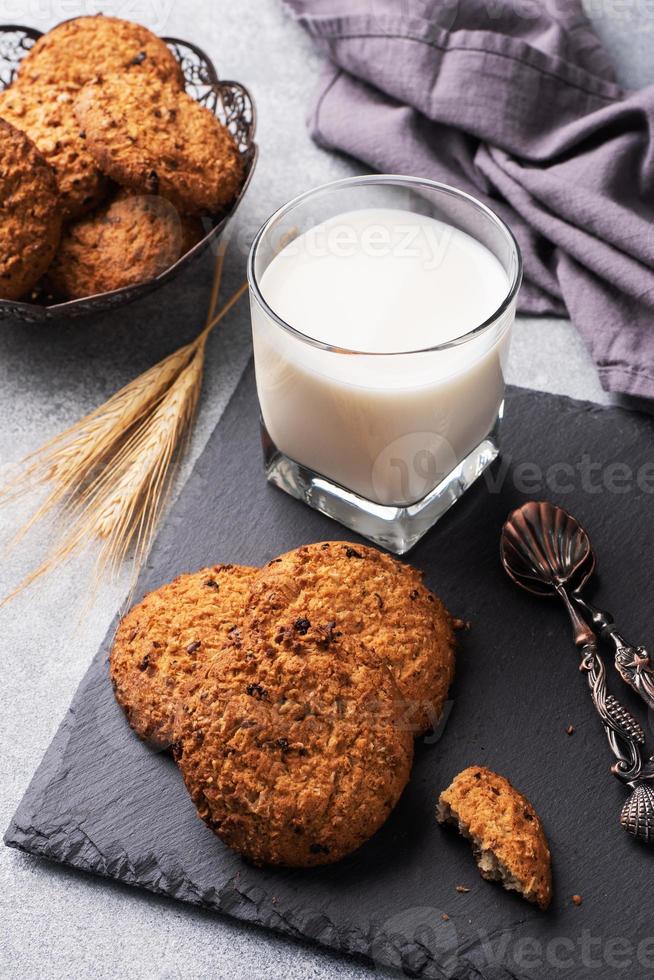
(230, 102)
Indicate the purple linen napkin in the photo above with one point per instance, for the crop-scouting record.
(514, 101)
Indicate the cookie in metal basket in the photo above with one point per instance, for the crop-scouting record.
(165, 639)
(131, 239)
(30, 213)
(294, 754)
(150, 137)
(507, 836)
(45, 113)
(365, 594)
(87, 48)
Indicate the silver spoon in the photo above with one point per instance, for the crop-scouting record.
(567, 563)
(546, 551)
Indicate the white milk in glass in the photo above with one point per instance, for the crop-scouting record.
(371, 285)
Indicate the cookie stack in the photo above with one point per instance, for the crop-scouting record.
(290, 695)
(106, 164)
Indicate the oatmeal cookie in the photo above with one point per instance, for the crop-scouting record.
(30, 213)
(293, 753)
(130, 240)
(86, 48)
(507, 836)
(368, 595)
(150, 137)
(168, 636)
(45, 113)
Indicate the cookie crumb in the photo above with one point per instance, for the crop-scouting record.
(445, 917)
(462, 889)
(512, 850)
(570, 730)
(577, 900)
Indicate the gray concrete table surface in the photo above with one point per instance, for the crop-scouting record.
(56, 923)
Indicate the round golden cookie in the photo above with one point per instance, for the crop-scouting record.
(366, 594)
(507, 836)
(131, 239)
(30, 213)
(86, 48)
(168, 636)
(154, 139)
(294, 754)
(45, 113)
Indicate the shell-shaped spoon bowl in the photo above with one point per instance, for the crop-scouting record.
(543, 547)
(637, 815)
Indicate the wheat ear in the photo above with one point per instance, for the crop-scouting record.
(112, 471)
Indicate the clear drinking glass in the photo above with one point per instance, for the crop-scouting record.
(385, 443)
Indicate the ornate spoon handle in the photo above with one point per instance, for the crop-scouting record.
(624, 733)
(632, 663)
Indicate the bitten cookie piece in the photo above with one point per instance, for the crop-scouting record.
(293, 753)
(130, 240)
(152, 138)
(166, 638)
(30, 213)
(367, 595)
(45, 113)
(507, 836)
(86, 48)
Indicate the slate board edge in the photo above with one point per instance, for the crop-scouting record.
(242, 905)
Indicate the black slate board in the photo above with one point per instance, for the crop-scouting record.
(102, 802)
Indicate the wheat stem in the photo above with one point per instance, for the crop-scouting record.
(223, 313)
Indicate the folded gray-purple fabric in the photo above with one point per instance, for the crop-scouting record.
(514, 101)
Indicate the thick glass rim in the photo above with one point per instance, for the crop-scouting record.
(370, 179)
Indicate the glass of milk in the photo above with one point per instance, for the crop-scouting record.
(382, 309)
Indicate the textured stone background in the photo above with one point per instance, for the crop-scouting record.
(55, 923)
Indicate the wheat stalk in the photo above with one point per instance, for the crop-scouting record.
(122, 505)
(68, 460)
(112, 471)
(70, 457)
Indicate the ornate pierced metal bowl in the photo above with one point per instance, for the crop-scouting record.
(229, 101)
